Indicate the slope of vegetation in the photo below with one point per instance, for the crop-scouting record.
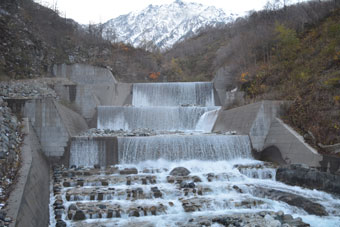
(304, 68)
(33, 38)
(292, 53)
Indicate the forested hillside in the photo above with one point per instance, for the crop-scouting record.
(292, 53)
(33, 38)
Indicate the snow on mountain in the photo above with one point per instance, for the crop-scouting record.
(164, 25)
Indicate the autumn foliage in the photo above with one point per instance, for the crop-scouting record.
(154, 75)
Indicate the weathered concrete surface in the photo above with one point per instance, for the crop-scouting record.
(292, 146)
(54, 124)
(233, 98)
(253, 120)
(73, 123)
(224, 81)
(90, 87)
(84, 74)
(85, 98)
(260, 122)
(28, 204)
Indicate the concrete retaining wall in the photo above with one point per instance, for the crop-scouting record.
(292, 146)
(260, 122)
(92, 86)
(28, 204)
(253, 120)
(54, 124)
(84, 74)
(224, 80)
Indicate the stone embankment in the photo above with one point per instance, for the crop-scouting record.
(10, 142)
(26, 89)
(11, 136)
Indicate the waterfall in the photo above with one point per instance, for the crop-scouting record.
(173, 94)
(207, 121)
(183, 147)
(87, 152)
(156, 118)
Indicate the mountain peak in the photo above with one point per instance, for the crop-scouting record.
(164, 25)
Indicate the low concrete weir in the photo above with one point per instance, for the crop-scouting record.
(170, 118)
(183, 147)
(173, 94)
(88, 152)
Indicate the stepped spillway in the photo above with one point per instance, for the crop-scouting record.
(156, 118)
(135, 185)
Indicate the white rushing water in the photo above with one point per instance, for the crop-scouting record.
(207, 121)
(87, 152)
(228, 191)
(230, 181)
(183, 147)
(155, 118)
(173, 94)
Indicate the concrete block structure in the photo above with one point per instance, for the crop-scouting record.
(89, 87)
(54, 124)
(260, 121)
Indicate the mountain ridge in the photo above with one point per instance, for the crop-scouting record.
(163, 25)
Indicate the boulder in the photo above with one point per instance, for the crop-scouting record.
(127, 171)
(79, 215)
(304, 176)
(293, 200)
(180, 171)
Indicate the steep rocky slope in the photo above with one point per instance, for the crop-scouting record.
(33, 38)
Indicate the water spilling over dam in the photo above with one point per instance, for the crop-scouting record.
(173, 94)
(136, 180)
(156, 118)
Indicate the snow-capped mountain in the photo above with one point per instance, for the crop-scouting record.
(164, 25)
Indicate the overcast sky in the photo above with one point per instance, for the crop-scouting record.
(96, 11)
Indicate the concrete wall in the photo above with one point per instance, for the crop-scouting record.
(292, 146)
(233, 98)
(84, 74)
(93, 86)
(253, 120)
(260, 122)
(224, 80)
(28, 204)
(54, 124)
(85, 98)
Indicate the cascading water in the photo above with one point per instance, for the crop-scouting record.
(207, 121)
(87, 152)
(155, 118)
(224, 187)
(183, 147)
(173, 94)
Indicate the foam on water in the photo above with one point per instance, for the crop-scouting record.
(155, 118)
(173, 94)
(183, 147)
(221, 199)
